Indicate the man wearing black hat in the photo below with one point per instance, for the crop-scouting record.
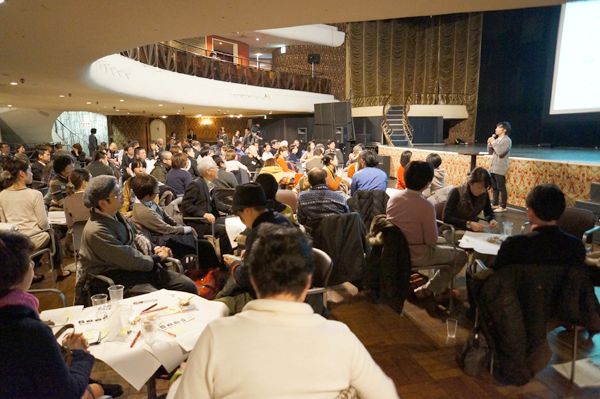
(250, 204)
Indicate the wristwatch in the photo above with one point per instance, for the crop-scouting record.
(468, 224)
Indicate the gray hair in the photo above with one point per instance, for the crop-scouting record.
(165, 155)
(99, 188)
(204, 164)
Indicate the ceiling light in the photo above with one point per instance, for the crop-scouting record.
(61, 95)
(117, 110)
(199, 116)
(257, 39)
(1, 1)
(220, 42)
(239, 116)
(160, 105)
(164, 116)
(14, 83)
(283, 49)
(88, 102)
(258, 54)
(121, 100)
(9, 105)
(206, 121)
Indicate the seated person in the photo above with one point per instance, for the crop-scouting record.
(466, 202)
(270, 187)
(319, 202)
(138, 168)
(231, 161)
(162, 166)
(24, 207)
(108, 248)
(250, 204)
(334, 182)
(40, 167)
(75, 211)
(31, 364)
(271, 167)
(439, 174)
(547, 243)
(404, 160)
(304, 354)
(353, 160)
(147, 214)
(198, 203)
(57, 187)
(369, 177)
(316, 161)
(100, 165)
(251, 160)
(178, 178)
(415, 216)
(225, 179)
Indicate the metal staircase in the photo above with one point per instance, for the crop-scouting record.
(396, 129)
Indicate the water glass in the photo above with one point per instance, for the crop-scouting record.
(116, 292)
(125, 312)
(149, 328)
(508, 228)
(99, 299)
(451, 326)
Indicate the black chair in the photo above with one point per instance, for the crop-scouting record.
(320, 282)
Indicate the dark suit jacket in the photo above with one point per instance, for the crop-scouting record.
(196, 200)
(544, 245)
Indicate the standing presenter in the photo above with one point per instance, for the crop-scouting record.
(499, 145)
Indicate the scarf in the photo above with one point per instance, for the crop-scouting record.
(20, 298)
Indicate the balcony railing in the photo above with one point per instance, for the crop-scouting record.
(176, 60)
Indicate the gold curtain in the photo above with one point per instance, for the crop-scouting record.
(418, 57)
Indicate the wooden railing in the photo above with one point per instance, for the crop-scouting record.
(176, 60)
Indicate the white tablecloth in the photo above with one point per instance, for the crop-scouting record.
(479, 242)
(136, 365)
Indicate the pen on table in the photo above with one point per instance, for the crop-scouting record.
(135, 339)
(149, 307)
(154, 310)
(168, 332)
(145, 301)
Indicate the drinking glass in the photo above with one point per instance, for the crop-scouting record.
(100, 300)
(508, 228)
(116, 292)
(451, 325)
(125, 312)
(149, 328)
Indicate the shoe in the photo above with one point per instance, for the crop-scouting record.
(37, 278)
(63, 276)
(112, 390)
(500, 210)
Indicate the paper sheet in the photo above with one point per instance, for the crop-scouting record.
(587, 372)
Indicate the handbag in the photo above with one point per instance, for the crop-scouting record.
(475, 355)
(209, 285)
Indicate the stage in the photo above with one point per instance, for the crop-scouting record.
(572, 169)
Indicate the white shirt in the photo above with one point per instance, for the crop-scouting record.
(280, 349)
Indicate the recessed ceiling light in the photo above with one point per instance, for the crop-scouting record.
(117, 110)
(121, 100)
(220, 42)
(164, 116)
(14, 83)
(9, 105)
(61, 95)
(257, 39)
(199, 116)
(88, 102)
(160, 105)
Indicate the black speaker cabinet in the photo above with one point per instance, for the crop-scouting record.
(314, 58)
(384, 163)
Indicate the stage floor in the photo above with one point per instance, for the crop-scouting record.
(557, 154)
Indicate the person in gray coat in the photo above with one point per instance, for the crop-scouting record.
(499, 145)
(108, 248)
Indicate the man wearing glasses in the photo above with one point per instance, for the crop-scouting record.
(108, 245)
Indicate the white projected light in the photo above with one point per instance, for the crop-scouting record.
(576, 84)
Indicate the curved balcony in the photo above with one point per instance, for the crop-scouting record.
(173, 59)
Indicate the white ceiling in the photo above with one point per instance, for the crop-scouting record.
(50, 44)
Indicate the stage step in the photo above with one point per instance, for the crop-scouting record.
(401, 143)
(595, 192)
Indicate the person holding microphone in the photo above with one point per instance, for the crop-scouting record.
(499, 145)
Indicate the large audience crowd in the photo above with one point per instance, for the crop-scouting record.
(143, 206)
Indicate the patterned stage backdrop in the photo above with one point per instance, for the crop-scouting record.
(573, 178)
(411, 56)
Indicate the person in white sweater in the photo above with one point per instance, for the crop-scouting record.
(277, 347)
(24, 207)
